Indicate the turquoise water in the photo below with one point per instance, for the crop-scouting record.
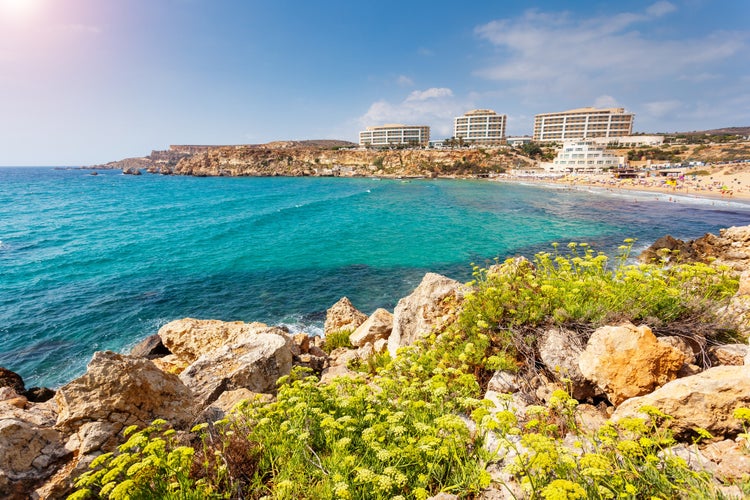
(99, 262)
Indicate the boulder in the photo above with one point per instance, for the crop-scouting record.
(11, 379)
(151, 347)
(123, 390)
(225, 403)
(428, 307)
(190, 338)
(560, 350)
(627, 361)
(504, 382)
(255, 363)
(728, 354)
(681, 345)
(706, 400)
(378, 326)
(39, 394)
(28, 455)
(380, 346)
(343, 316)
(733, 462)
(669, 248)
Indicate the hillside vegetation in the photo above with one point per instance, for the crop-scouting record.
(418, 424)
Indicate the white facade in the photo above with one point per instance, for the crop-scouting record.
(582, 123)
(480, 126)
(395, 134)
(583, 157)
(632, 141)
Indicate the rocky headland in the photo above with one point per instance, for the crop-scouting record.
(195, 371)
(319, 158)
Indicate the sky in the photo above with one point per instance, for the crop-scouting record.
(90, 81)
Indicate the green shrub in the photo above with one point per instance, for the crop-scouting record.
(334, 340)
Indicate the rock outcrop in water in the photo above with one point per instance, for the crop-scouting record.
(196, 370)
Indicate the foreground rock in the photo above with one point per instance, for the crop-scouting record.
(254, 363)
(560, 351)
(378, 326)
(30, 449)
(343, 316)
(122, 390)
(429, 305)
(706, 400)
(627, 361)
(731, 248)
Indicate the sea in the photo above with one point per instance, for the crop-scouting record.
(99, 262)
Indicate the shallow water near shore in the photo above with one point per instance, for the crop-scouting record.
(99, 262)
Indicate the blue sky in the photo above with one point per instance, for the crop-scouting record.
(89, 81)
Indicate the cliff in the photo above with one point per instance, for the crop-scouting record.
(292, 159)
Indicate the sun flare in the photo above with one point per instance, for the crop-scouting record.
(17, 7)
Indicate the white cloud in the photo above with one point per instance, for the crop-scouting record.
(435, 107)
(579, 55)
(606, 101)
(660, 9)
(404, 81)
(433, 93)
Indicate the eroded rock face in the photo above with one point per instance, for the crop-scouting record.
(343, 316)
(123, 390)
(560, 352)
(30, 449)
(706, 400)
(428, 306)
(378, 326)
(190, 338)
(627, 361)
(728, 354)
(255, 363)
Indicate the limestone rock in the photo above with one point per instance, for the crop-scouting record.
(428, 306)
(503, 381)
(171, 364)
(378, 326)
(151, 347)
(123, 390)
(559, 350)
(728, 354)
(225, 403)
(190, 338)
(11, 379)
(706, 400)
(28, 454)
(681, 345)
(590, 418)
(380, 346)
(301, 343)
(255, 363)
(343, 316)
(669, 248)
(511, 267)
(627, 361)
(733, 462)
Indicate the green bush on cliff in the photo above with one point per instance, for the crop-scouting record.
(415, 425)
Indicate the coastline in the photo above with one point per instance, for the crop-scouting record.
(719, 186)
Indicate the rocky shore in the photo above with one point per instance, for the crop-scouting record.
(319, 158)
(194, 371)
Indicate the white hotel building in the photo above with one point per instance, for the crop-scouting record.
(480, 126)
(395, 134)
(582, 123)
(583, 157)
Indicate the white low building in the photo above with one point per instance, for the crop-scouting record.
(583, 157)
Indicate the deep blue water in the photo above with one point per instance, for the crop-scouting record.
(99, 262)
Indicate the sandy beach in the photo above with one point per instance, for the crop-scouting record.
(722, 182)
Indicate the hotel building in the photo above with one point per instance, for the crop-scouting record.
(582, 123)
(393, 135)
(480, 126)
(583, 157)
